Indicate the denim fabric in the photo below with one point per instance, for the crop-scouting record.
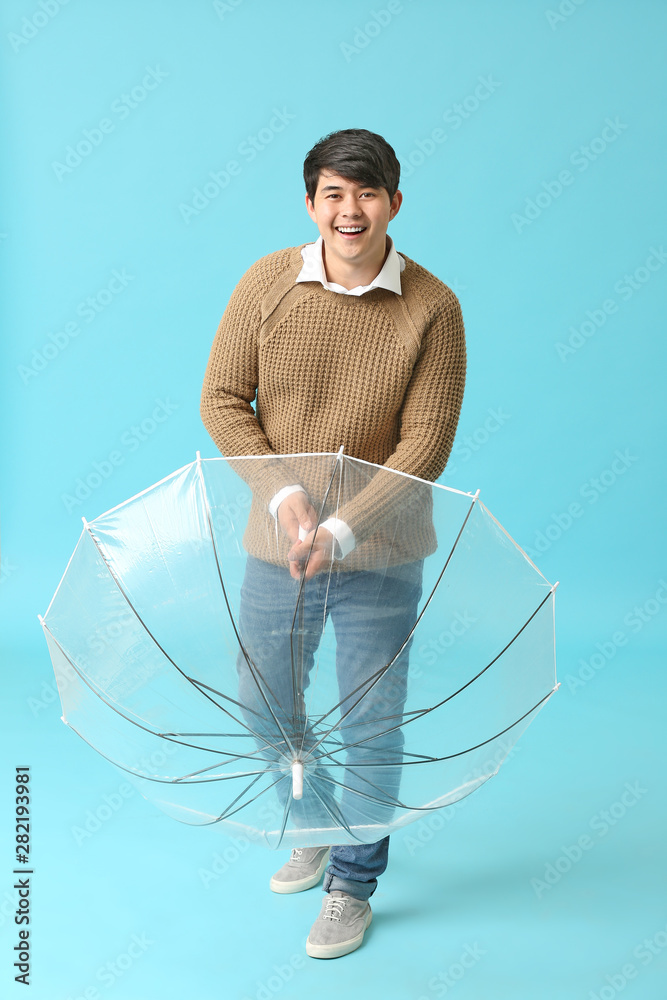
(372, 614)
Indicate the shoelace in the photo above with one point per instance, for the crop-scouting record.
(335, 907)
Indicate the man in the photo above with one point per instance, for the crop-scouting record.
(343, 343)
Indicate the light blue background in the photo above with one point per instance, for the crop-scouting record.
(551, 442)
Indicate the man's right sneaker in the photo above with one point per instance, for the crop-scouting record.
(304, 869)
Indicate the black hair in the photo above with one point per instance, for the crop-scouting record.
(356, 154)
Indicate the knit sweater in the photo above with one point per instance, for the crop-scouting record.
(381, 375)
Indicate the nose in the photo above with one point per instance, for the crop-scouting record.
(350, 207)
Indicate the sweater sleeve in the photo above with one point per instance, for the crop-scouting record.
(429, 418)
(230, 387)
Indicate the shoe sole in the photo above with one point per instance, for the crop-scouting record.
(301, 884)
(338, 950)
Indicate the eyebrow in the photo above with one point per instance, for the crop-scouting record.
(338, 187)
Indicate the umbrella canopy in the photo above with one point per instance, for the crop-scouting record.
(300, 709)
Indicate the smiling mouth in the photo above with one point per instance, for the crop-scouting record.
(349, 232)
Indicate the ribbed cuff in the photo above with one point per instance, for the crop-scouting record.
(276, 500)
(342, 535)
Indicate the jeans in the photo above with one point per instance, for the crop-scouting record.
(372, 614)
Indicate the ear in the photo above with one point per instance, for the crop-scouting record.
(395, 204)
(310, 208)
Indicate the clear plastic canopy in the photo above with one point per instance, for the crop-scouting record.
(301, 710)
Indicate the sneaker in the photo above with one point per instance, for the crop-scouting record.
(304, 869)
(340, 927)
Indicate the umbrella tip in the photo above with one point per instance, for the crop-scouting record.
(297, 779)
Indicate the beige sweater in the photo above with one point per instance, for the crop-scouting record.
(380, 374)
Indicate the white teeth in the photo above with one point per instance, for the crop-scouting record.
(350, 229)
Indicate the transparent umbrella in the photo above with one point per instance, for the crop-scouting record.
(236, 686)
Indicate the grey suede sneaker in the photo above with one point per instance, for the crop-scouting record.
(303, 870)
(340, 927)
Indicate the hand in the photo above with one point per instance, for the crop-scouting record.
(296, 511)
(316, 548)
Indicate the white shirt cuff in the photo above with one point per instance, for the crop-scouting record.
(342, 535)
(276, 501)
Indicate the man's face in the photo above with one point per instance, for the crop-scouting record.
(352, 218)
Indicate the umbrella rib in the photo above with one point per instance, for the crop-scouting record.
(139, 725)
(160, 781)
(189, 679)
(426, 711)
(435, 760)
(380, 673)
(388, 800)
(254, 670)
(338, 819)
(226, 814)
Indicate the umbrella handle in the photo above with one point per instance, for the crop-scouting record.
(297, 779)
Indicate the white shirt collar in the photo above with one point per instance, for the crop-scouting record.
(313, 270)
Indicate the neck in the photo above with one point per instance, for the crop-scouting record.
(350, 274)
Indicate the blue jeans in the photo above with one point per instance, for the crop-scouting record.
(372, 614)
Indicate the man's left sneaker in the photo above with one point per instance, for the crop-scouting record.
(340, 927)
